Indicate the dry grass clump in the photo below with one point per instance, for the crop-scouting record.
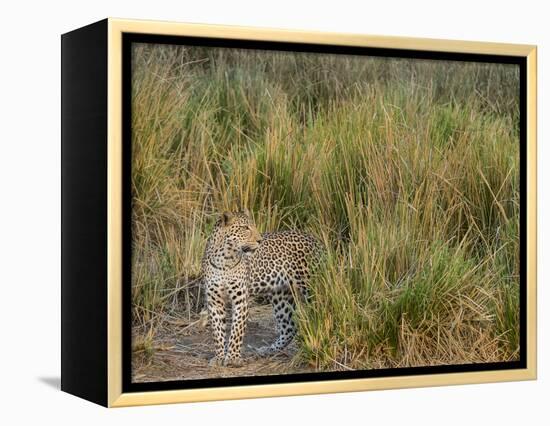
(407, 170)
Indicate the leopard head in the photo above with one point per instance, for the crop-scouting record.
(239, 232)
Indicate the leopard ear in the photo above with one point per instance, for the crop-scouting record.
(227, 218)
(247, 213)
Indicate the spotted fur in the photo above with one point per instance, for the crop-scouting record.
(238, 263)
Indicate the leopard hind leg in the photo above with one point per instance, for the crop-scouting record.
(282, 302)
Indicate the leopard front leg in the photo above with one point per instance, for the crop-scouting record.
(239, 302)
(216, 305)
(282, 302)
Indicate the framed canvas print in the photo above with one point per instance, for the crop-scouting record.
(253, 212)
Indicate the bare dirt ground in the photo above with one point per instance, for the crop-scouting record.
(181, 350)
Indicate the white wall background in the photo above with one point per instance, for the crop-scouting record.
(30, 211)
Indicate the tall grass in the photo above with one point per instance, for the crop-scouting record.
(407, 170)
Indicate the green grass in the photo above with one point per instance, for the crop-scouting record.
(407, 170)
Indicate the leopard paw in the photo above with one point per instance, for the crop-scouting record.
(216, 362)
(266, 351)
(234, 361)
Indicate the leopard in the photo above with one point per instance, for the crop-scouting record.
(240, 263)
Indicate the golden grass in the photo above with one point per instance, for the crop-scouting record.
(407, 170)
